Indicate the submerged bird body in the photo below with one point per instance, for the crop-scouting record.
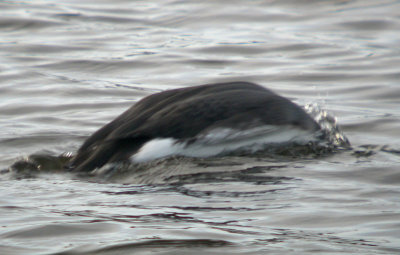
(187, 116)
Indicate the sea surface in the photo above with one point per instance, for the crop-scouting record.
(68, 67)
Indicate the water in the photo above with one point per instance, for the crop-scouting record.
(68, 68)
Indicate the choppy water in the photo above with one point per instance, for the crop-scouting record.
(68, 67)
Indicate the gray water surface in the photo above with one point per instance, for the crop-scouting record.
(69, 67)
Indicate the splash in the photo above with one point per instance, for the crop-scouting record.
(331, 132)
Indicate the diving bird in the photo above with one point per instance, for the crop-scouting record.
(197, 121)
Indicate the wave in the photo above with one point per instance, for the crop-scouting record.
(246, 149)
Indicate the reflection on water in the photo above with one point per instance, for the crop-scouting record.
(68, 68)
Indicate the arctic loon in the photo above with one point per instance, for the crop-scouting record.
(194, 121)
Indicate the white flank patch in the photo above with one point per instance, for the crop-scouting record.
(158, 148)
(220, 141)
